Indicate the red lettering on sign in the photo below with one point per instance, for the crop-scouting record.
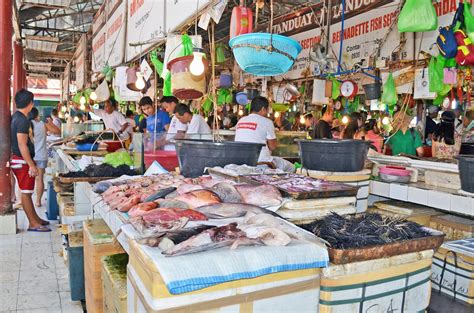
(251, 126)
(99, 43)
(115, 26)
(135, 5)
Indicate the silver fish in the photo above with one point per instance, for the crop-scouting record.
(230, 210)
(227, 192)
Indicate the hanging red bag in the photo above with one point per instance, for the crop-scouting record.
(465, 55)
(241, 21)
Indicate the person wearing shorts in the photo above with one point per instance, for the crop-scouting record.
(22, 159)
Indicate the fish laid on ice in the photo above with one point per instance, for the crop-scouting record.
(227, 192)
(210, 239)
(230, 210)
(199, 198)
(270, 236)
(262, 196)
(175, 237)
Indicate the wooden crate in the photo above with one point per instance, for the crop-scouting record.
(455, 227)
(114, 276)
(98, 242)
(412, 212)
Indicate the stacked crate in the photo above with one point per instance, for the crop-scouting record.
(98, 242)
(114, 276)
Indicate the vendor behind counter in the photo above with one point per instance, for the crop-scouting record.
(405, 140)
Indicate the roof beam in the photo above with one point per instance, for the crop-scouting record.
(59, 16)
(52, 30)
(57, 54)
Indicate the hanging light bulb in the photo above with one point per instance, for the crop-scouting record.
(76, 119)
(241, 112)
(294, 107)
(345, 120)
(82, 107)
(83, 100)
(197, 65)
(302, 119)
(66, 115)
(454, 104)
(93, 96)
(140, 83)
(277, 114)
(385, 120)
(206, 119)
(60, 115)
(63, 109)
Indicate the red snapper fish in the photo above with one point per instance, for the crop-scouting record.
(198, 198)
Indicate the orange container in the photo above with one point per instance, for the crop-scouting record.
(185, 85)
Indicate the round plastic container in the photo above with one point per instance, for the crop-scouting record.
(195, 155)
(185, 85)
(466, 172)
(333, 155)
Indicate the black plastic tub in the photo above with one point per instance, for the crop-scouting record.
(467, 148)
(466, 172)
(332, 155)
(195, 155)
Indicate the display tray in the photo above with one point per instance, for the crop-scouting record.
(344, 256)
(288, 186)
(69, 180)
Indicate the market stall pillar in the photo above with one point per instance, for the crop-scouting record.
(18, 70)
(6, 32)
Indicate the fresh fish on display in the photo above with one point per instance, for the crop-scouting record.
(142, 208)
(272, 221)
(185, 188)
(101, 187)
(230, 210)
(227, 192)
(157, 229)
(270, 236)
(262, 196)
(126, 205)
(160, 194)
(175, 237)
(169, 214)
(172, 203)
(210, 239)
(198, 198)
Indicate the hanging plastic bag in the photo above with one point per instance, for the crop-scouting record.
(417, 16)
(187, 45)
(469, 20)
(389, 94)
(336, 89)
(102, 92)
(156, 63)
(118, 158)
(450, 76)
(220, 53)
(434, 78)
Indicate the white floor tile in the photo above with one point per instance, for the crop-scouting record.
(10, 265)
(6, 277)
(44, 300)
(38, 274)
(8, 302)
(62, 273)
(40, 263)
(43, 310)
(64, 284)
(8, 289)
(35, 286)
(72, 308)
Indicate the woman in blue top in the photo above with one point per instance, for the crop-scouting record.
(157, 121)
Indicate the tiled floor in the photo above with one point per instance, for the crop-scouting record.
(33, 275)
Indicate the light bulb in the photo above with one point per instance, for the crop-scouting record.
(345, 120)
(241, 112)
(277, 114)
(385, 120)
(93, 96)
(82, 107)
(66, 115)
(454, 104)
(63, 109)
(294, 107)
(76, 119)
(197, 65)
(83, 100)
(206, 119)
(302, 120)
(140, 83)
(60, 115)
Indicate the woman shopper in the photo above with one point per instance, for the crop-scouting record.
(353, 128)
(446, 142)
(40, 130)
(372, 134)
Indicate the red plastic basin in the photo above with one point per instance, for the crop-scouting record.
(167, 159)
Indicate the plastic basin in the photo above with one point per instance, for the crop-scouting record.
(87, 146)
(332, 155)
(167, 159)
(466, 172)
(113, 145)
(195, 155)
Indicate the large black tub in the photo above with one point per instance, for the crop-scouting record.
(195, 155)
(466, 172)
(333, 155)
(467, 148)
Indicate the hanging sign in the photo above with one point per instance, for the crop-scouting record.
(81, 63)
(99, 20)
(182, 11)
(65, 83)
(115, 39)
(145, 24)
(98, 50)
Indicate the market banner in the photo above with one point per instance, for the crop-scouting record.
(181, 11)
(65, 82)
(144, 25)
(81, 63)
(99, 20)
(98, 50)
(115, 39)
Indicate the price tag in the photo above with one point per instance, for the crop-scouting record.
(146, 69)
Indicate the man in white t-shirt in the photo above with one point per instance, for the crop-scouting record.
(176, 129)
(257, 128)
(195, 122)
(112, 118)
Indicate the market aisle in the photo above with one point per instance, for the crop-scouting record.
(33, 276)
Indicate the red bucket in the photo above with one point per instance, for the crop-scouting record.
(185, 85)
(167, 159)
(113, 145)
